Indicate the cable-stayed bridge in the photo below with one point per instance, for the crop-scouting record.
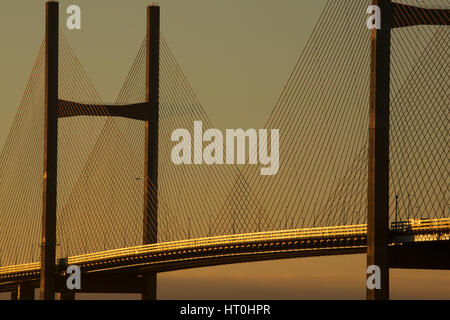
(116, 205)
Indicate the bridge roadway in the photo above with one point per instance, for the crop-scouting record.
(417, 243)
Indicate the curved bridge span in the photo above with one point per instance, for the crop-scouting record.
(228, 249)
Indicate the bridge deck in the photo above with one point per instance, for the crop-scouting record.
(237, 248)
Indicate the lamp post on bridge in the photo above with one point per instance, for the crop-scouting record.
(409, 207)
(209, 223)
(396, 208)
(314, 215)
(344, 216)
(189, 228)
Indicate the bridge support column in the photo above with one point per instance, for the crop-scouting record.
(15, 294)
(23, 292)
(47, 281)
(378, 178)
(150, 221)
(66, 295)
(149, 286)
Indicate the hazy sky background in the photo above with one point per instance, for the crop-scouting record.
(237, 56)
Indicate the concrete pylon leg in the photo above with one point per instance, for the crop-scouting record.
(378, 173)
(149, 286)
(48, 248)
(25, 292)
(150, 221)
(66, 295)
(14, 294)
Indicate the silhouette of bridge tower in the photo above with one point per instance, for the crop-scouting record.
(148, 112)
(393, 15)
(135, 272)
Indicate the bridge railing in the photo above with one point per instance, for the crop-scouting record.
(420, 224)
(223, 240)
(26, 267)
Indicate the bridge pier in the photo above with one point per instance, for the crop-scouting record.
(149, 286)
(23, 292)
(66, 295)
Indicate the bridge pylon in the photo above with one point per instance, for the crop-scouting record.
(48, 245)
(393, 15)
(147, 112)
(150, 222)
